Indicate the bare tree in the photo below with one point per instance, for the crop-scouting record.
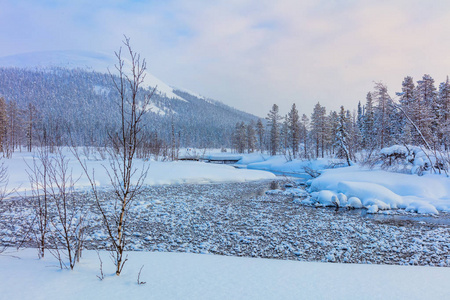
(126, 179)
(38, 173)
(3, 127)
(29, 125)
(4, 178)
(68, 225)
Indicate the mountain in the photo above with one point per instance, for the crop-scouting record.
(74, 93)
(71, 59)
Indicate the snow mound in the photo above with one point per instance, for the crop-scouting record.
(369, 193)
(427, 194)
(354, 202)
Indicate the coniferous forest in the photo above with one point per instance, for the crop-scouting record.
(419, 115)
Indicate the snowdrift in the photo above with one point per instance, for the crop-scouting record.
(382, 190)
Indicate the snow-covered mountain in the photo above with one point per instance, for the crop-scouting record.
(71, 59)
(72, 88)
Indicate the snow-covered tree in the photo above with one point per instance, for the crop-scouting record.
(260, 132)
(3, 126)
(444, 114)
(319, 128)
(382, 114)
(293, 122)
(332, 126)
(369, 131)
(240, 137)
(273, 119)
(251, 137)
(284, 138)
(304, 129)
(425, 104)
(343, 150)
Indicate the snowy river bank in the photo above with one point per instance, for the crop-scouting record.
(239, 219)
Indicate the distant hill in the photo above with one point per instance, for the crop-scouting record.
(73, 92)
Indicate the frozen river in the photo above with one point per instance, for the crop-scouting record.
(239, 219)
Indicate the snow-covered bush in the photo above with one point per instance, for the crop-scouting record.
(410, 159)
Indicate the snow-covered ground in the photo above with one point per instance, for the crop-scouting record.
(358, 186)
(382, 190)
(193, 276)
(183, 218)
(176, 172)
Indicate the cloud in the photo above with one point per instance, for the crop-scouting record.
(250, 54)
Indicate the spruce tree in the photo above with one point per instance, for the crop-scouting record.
(423, 114)
(293, 122)
(444, 114)
(382, 114)
(319, 128)
(304, 129)
(369, 132)
(260, 132)
(251, 137)
(342, 136)
(273, 119)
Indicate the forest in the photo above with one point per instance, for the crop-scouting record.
(416, 116)
(58, 106)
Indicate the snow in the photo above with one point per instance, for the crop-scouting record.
(159, 173)
(281, 165)
(427, 194)
(354, 202)
(96, 61)
(325, 198)
(423, 194)
(194, 276)
(189, 92)
(155, 109)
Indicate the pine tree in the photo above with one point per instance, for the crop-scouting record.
(304, 129)
(369, 132)
(251, 137)
(319, 128)
(240, 137)
(353, 139)
(360, 117)
(407, 94)
(425, 104)
(342, 136)
(293, 122)
(382, 114)
(332, 125)
(273, 119)
(260, 132)
(284, 137)
(444, 114)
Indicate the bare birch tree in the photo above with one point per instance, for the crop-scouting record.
(38, 172)
(126, 179)
(68, 224)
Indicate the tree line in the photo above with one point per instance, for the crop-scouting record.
(418, 115)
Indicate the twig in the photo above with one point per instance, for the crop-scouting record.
(139, 282)
(102, 276)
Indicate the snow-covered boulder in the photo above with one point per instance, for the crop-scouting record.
(354, 202)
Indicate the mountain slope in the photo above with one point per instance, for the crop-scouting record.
(71, 59)
(74, 94)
